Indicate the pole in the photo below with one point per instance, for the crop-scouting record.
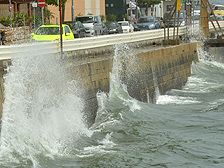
(42, 11)
(136, 10)
(34, 18)
(60, 11)
(72, 10)
(10, 10)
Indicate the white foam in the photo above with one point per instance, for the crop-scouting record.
(41, 112)
(168, 99)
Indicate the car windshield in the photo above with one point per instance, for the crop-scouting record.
(85, 19)
(48, 31)
(145, 20)
(110, 24)
(219, 8)
(124, 23)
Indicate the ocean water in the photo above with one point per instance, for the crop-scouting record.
(42, 123)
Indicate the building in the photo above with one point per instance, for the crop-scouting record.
(20, 6)
(81, 7)
(116, 7)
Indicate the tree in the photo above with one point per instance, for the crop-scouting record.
(148, 3)
(48, 15)
(54, 2)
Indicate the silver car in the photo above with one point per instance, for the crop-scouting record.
(92, 24)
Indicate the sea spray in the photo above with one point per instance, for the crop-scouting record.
(123, 67)
(41, 112)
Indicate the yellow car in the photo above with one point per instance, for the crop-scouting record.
(218, 10)
(51, 33)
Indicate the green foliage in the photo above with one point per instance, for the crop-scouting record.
(54, 2)
(126, 16)
(79, 14)
(89, 13)
(103, 17)
(37, 21)
(111, 18)
(149, 2)
(5, 21)
(48, 15)
(18, 20)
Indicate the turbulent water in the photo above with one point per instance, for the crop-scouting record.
(42, 123)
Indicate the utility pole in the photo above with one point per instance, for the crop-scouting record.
(136, 10)
(10, 10)
(60, 11)
(72, 10)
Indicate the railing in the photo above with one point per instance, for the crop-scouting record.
(6, 52)
(108, 40)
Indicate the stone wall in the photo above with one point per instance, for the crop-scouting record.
(14, 35)
(166, 68)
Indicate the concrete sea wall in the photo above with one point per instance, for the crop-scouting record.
(144, 74)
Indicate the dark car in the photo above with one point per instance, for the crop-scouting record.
(113, 27)
(148, 23)
(105, 29)
(77, 28)
(182, 18)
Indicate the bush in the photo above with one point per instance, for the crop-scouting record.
(111, 18)
(19, 20)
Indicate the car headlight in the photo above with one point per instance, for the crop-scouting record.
(182, 23)
(114, 30)
(151, 26)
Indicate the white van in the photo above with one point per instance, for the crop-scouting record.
(92, 23)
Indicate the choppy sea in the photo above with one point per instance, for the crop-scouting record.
(42, 123)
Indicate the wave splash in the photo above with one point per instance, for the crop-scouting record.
(41, 112)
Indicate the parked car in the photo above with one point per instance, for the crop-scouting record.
(105, 29)
(77, 28)
(92, 24)
(182, 18)
(148, 23)
(126, 26)
(218, 10)
(51, 33)
(218, 17)
(134, 24)
(114, 27)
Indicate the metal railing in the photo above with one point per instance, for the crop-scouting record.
(6, 52)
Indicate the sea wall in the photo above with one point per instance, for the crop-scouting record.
(144, 74)
(164, 69)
